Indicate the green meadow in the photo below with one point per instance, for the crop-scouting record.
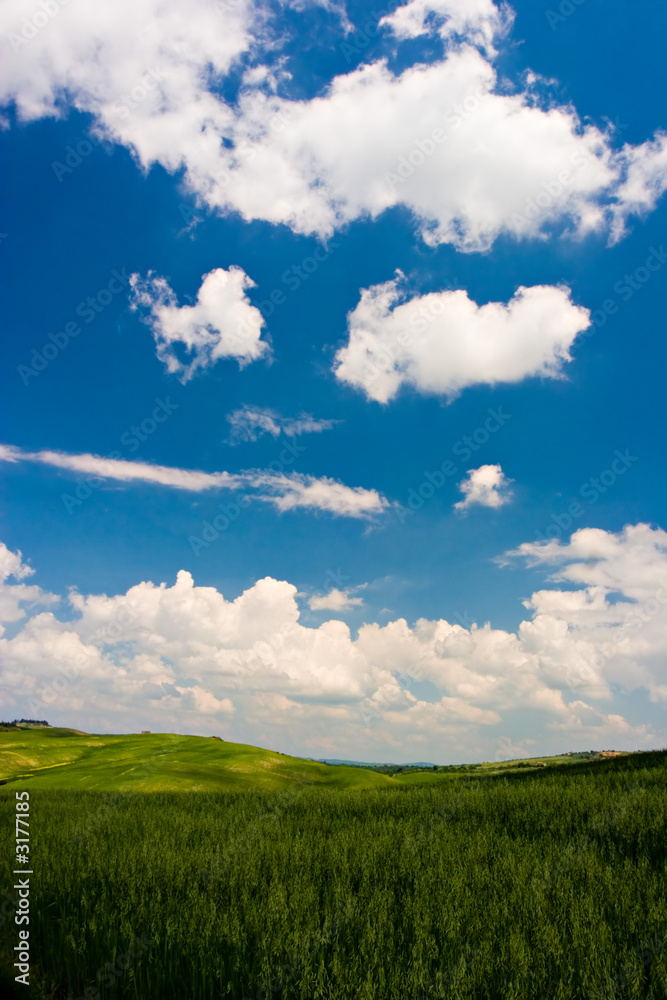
(283, 879)
(159, 762)
(67, 759)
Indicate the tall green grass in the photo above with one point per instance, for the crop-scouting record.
(550, 885)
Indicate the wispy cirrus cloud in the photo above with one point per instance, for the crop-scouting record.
(286, 491)
(249, 423)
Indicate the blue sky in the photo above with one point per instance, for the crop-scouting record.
(251, 256)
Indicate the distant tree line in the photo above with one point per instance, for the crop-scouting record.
(23, 722)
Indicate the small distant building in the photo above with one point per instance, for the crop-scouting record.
(611, 753)
(145, 732)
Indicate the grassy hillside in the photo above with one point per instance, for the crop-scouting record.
(71, 759)
(68, 759)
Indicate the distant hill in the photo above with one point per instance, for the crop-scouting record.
(364, 763)
(425, 771)
(65, 758)
(49, 757)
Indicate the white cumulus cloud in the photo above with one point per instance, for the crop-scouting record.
(336, 600)
(470, 159)
(221, 324)
(184, 657)
(16, 597)
(477, 21)
(487, 486)
(632, 561)
(442, 342)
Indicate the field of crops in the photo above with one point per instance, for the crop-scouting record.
(546, 885)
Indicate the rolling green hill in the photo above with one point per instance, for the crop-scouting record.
(69, 759)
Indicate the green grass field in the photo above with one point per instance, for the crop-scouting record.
(545, 884)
